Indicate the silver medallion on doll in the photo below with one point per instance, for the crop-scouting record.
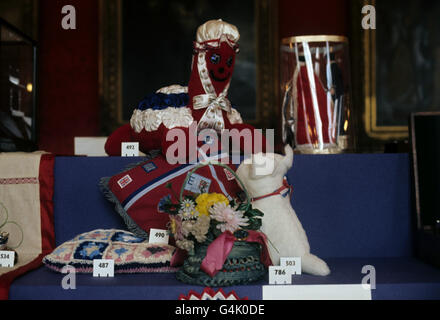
(287, 238)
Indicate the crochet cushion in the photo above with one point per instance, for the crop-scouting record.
(131, 254)
(139, 193)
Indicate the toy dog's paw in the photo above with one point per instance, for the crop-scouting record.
(313, 265)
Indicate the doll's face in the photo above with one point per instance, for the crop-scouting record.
(220, 63)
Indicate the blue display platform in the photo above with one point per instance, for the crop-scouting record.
(355, 208)
(397, 278)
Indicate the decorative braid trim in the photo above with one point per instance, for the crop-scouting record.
(30, 180)
(171, 117)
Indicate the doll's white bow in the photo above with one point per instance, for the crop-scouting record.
(213, 117)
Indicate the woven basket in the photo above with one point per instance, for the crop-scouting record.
(242, 266)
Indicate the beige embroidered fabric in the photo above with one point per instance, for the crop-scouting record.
(20, 194)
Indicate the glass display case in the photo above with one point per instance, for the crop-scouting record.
(425, 141)
(315, 92)
(17, 90)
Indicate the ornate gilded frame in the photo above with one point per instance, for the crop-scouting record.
(372, 129)
(110, 75)
(110, 65)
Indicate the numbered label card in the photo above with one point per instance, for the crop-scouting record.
(280, 275)
(7, 259)
(293, 263)
(130, 149)
(103, 268)
(158, 236)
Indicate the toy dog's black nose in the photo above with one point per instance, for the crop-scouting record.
(221, 70)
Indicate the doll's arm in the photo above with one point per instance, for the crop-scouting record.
(113, 144)
(147, 140)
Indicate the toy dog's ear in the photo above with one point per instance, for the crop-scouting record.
(262, 165)
(285, 163)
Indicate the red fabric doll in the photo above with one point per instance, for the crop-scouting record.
(204, 101)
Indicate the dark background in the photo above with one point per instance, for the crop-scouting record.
(157, 47)
(408, 59)
(68, 103)
(427, 136)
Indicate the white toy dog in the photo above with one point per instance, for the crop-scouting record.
(264, 181)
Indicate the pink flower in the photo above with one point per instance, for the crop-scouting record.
(230, 219)
(175, 226)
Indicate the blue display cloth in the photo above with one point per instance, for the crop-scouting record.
(397, 278)
(355, 208)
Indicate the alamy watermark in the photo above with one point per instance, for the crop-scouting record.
(194, 146)
(369, 280)
(69, 281)
(68, 22)
(369, 19)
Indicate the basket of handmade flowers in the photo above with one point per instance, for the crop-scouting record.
(221, 236)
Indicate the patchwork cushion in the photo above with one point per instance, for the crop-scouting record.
(139, 192)
(130, 253)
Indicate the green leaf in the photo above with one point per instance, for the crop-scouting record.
(243, 207)
(254, 213)
(254, 224)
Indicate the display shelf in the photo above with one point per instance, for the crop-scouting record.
(351, 205)
(397, 278)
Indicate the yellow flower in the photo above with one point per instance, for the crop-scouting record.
(173, 226)
(206, 200)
